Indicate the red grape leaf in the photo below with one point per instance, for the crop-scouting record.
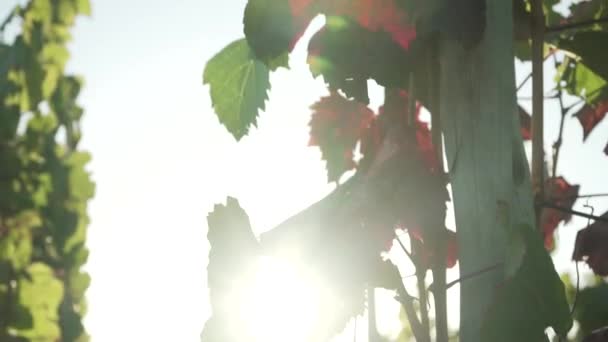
(589, 116)
(371, 141)
(409, 185)
(426, 254)
(525, 123)
(591, 246)
(375, 15)
(336, 126)
(560, 193)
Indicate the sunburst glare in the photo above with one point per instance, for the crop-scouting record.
(281, 302)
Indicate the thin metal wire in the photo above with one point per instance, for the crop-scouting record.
(578, 275)
(576, 262)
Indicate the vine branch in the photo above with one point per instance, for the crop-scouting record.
(527, 78)
(576, 25)
(574, 212)
(407, 302)
(558, 143)
(590, 195)
(9, 17)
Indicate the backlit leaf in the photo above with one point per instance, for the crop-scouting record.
(233, 251)
(562, 194)
(586, 45)
(591, 115)
(272, 30)
(582, 81)
(347, 55)
(273, 27)
(336, 126)
(591, 246)
(238, 85)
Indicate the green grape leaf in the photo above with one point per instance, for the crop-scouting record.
(83, 7)
(79, 283)
(591, 311)
(42, 181)
(80, 184)
(589, 46)
(531, 300)
(41, 293)
(72, 328)
(238, 85)
(271, 30)
(66, 10)
(16, 245)
(581, 81)
(63, 104)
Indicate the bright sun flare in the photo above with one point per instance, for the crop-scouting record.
(281, 303)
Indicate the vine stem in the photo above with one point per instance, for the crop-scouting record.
(558, 143)
(529, 76)
(538, 27)
(408, 305)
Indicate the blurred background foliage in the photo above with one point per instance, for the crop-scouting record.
(44, 186)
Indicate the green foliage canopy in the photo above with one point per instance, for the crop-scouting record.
(44, 186)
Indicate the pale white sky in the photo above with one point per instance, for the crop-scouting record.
(161, 160)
